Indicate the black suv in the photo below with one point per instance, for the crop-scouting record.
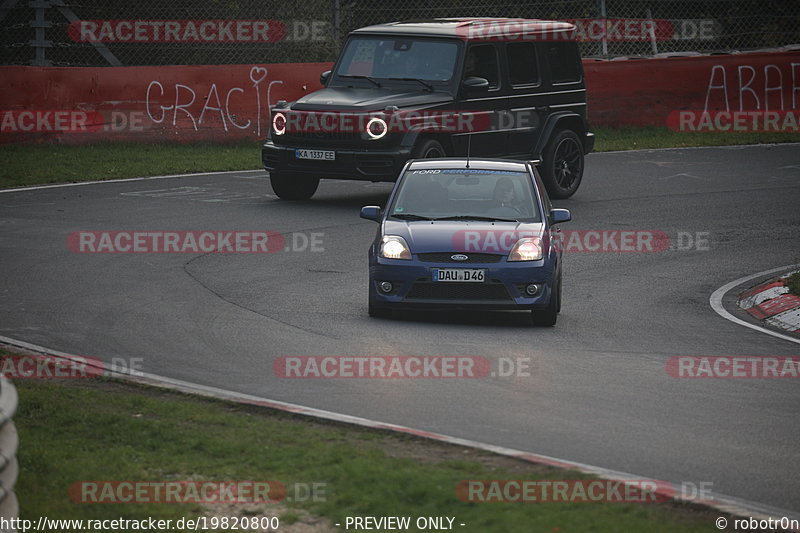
(510, 88)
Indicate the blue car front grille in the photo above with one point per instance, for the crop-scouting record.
(428, 290)
(446, 257)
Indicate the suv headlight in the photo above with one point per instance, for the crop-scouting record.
(376, 128)
(528, 249)
(279, 123)
(394, 247)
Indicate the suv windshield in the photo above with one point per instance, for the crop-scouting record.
(398, 58)
(464, 194)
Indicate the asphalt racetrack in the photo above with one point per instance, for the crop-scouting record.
(596, 389)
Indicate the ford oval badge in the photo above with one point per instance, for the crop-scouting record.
(459, 257)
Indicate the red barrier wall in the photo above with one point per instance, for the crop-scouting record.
(644, 92)
(172, 103)
(229, 103)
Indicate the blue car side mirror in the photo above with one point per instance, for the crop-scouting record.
(371, 212)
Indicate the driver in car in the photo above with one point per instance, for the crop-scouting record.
(503, 195)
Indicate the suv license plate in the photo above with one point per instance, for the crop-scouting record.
(317, 155)
(475, 275)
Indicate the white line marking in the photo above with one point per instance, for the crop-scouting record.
(722, 146)
(728, 504)
(123, 180)
(716, 303)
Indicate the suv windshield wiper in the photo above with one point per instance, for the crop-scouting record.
(410, 216)
(425, 83)
(378, 85)
(476, 217)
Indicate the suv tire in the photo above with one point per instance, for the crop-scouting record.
(428, 149)
(562, 164)
(290, 187)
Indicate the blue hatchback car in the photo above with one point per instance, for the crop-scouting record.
(467, 234)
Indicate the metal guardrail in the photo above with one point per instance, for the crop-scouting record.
(9, 442)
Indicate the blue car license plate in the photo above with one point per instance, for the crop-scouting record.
(475, 275)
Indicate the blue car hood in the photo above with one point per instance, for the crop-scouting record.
(461, 236)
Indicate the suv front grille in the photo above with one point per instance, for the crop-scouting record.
(446, 257)
(323, 136)
(430, 290)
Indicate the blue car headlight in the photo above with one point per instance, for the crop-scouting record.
(394, 247)
(528, 249)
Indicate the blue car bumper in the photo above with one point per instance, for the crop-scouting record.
(413, 285)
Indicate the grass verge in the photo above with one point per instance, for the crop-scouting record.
(793, 283)
(104, 430)
(40, 164)
(610, 139)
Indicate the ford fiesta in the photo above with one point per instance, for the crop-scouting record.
(467, 234)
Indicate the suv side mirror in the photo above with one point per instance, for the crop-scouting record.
(371, 212)
(323, 78)
(558, 216)
(474, 82)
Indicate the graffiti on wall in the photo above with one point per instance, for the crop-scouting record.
(228, 111)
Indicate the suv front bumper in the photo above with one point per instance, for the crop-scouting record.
(588, 142)
(348, 163)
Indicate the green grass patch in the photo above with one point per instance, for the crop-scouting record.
(40, 164)
(611, 139)
(793, 283)
(31, 165)
(104, 430)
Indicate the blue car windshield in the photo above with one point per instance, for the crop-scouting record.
(384, 58)
(465, 193)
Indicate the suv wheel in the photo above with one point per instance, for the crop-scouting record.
(428, 149)
(562, 165)
(292, 187)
